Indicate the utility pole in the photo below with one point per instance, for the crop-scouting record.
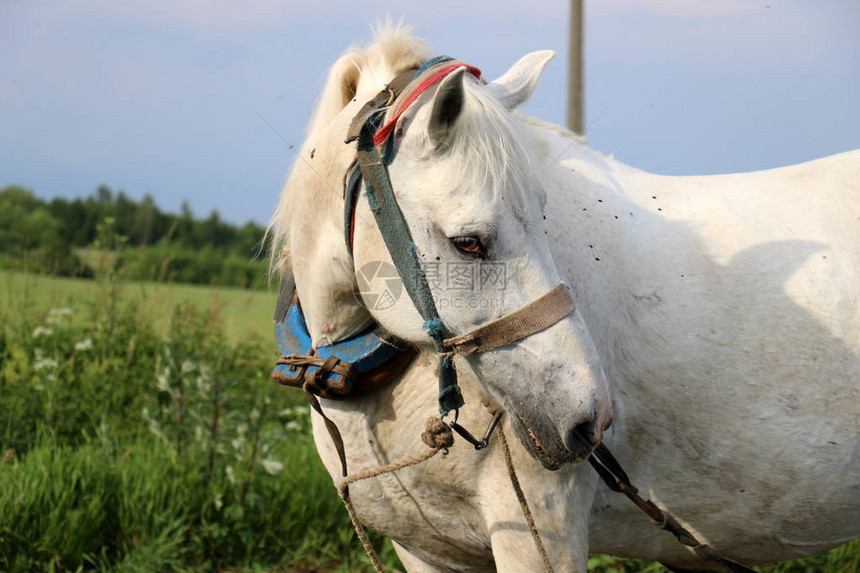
(575, 73)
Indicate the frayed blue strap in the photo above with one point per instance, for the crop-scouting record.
(395, 232)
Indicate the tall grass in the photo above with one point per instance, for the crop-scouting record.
(123, 448)
(126, 445)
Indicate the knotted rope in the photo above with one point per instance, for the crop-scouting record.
(438, 437)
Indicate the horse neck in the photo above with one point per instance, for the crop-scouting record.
(582, 186)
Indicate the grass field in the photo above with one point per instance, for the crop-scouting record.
(245, 313)
(139, 431)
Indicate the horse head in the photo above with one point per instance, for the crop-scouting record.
(471, 196)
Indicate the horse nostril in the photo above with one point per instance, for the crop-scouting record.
(582, 439)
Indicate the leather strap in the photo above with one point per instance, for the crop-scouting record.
(332, 430)
(395, 233)
(383, 99)
(430, 74)
(537, 315)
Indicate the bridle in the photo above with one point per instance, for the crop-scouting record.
(371, 162)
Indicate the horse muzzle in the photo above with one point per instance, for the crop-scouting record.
(555, 444)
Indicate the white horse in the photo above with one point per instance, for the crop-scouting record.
(719, 317)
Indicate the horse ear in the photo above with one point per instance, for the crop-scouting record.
(518, 83)
(446, 107)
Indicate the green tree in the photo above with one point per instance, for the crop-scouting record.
(26, 223)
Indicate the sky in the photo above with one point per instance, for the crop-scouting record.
(201, 101)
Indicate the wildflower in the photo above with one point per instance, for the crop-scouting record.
(40, 331)
(295, 411)
(272, 467)
(292, 425)
(55, 314)
(203, 385)
(162, 383)
(188, 366)
(231, 474)
(84, 345)
(238, 443)
(44, 363)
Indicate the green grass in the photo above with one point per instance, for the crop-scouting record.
(139, 431)
(245, 312)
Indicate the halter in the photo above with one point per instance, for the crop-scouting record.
(534, 317)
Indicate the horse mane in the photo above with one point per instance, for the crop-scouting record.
(392, 50)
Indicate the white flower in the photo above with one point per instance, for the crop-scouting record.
(218, 501)
(203, 385)
(84, 345)
(297, 411)
(292, 425)
(55, 314)
(40, 331)
(231, 474)
(161, 383)
(43, 363)
(272, 467)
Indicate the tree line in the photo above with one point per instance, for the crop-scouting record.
(78, 237)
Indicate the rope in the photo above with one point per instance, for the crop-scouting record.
(524, 505)
(437, 435)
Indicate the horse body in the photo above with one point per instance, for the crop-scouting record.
(724, 312)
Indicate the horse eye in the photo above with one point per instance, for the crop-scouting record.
(470, 245)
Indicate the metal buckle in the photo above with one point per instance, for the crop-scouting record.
(466, 435)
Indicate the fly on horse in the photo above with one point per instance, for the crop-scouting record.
(713, 322)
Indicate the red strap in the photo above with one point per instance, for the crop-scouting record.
(429, 81)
